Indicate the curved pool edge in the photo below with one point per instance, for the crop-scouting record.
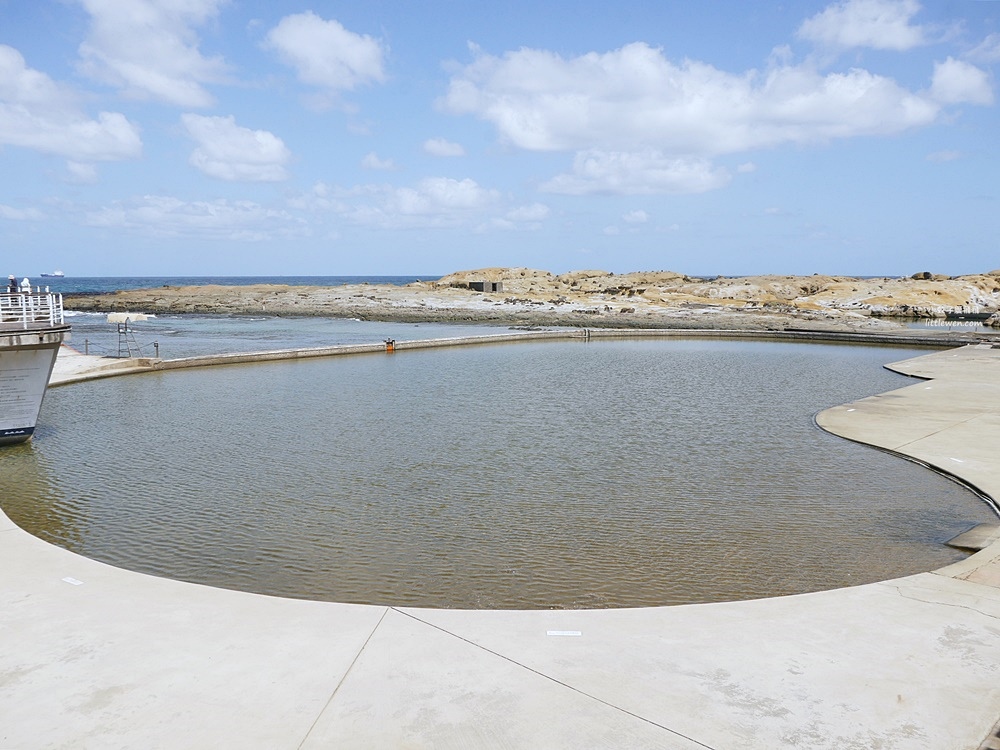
(94, 655)
(75, 367)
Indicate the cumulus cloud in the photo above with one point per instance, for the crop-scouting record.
(431, 202)
(956, 81)
(634, 98)
(228, 151)
(879, 24)
(149, 49)
(987, 51)
(636, 173)
(434, 201)
(82, 174)
(523, 218)
(371, 160)
(20, 214)
(326, 55)
(442, 147)
(166, 216)
(533, 212)
(641, 123)
(40, 114)
(441, 195)
(635, 217)
(941, 157)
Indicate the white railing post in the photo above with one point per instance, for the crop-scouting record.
(27, 310)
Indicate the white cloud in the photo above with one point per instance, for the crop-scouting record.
(880, 24)
(940, 157)
(228, 151)
(987, 51)
(441, 147)
(523, 218)
(321, 198)
(371, 160)
(438, 195)
(20, 214)
(504, 225)
(83, 174)
(626, 173)
(326, 55)
(746, 168)
(955, 82)
(166, 216)
(635, 217)
(40, 114)
(432, 202)
(533, 212)
(148, 49)
(634, 99)
(611, 231)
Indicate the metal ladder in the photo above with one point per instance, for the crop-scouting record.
(126, 341)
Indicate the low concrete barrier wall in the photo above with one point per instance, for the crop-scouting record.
(138, 365)
(585, 334)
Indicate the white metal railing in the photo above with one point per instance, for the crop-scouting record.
(31, 310)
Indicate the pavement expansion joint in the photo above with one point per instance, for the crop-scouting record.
(343, 678)
(550, 678)
(951, 426)
(937, 602)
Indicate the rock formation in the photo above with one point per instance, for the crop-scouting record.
(599, 298)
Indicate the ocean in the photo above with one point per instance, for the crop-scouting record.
(105, 284)
(172, 336)
(190, 335)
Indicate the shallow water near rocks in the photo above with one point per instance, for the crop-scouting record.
(565, 474)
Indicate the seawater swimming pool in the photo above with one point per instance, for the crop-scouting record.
(625, 473)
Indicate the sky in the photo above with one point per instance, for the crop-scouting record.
(391, 137)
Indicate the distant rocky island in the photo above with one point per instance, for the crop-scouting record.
(643, 299)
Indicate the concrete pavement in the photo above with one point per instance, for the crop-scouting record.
(73, 366)
(95, 657)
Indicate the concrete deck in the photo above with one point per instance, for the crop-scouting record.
(95, 657)
(73, 367)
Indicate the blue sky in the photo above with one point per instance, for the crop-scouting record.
(231, 137)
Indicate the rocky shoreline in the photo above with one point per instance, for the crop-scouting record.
(596, 299)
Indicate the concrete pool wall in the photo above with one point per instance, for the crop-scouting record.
(95, 656)
(76, 367)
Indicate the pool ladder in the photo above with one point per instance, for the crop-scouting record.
(127, 342)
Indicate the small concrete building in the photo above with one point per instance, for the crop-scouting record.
(486, 286)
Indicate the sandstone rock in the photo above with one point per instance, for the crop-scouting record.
(657, 299)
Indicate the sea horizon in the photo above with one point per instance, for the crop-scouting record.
(105, 284)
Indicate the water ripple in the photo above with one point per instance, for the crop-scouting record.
(608, 474)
